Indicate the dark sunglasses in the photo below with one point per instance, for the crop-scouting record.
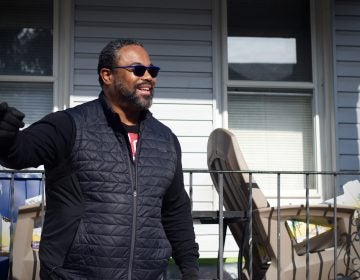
(139, 70)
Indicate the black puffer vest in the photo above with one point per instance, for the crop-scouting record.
(119, 233)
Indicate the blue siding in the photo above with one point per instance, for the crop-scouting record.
(347, 80)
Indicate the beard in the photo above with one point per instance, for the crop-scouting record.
(131, 98)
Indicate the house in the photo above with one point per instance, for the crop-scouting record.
(283, 75)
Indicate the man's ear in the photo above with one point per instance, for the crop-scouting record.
(106, 76)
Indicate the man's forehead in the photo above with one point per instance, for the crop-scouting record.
(133, 54)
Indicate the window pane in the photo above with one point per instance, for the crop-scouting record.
(269, 40)
(26, 32)
(274, 134)
(35, 100)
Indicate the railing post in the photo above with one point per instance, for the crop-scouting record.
(191, 189)
(335, 229)
(12, 216)
(278, 241)
(307, 225)
(221, 226)
(250, 228)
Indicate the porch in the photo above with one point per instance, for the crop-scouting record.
(340, 234)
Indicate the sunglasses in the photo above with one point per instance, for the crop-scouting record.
(139, 70)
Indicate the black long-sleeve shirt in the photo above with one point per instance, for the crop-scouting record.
(49, 142)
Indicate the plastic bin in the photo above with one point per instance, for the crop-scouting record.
(26, 185)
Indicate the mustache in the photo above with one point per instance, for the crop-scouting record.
(151, 84)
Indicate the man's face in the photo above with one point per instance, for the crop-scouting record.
(128, 89)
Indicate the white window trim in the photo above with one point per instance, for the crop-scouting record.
(63, 52)
(323, 105)
(217, 64)
(324, 97)
(27, 79)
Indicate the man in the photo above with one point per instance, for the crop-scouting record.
(116, 204)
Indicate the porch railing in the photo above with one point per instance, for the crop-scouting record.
(224, 217)
(220, 216)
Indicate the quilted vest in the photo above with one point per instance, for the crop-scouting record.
(119, 235)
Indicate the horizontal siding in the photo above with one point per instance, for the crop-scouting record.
(198, 179)
(170, 16)
(161, 4)
(349, 115)
(187, 112)
(348, 146)
(347, 84)
(200, 128)
(142, 31)
(348, 68)
(346, 178)
(342, 8)
(203, 194)
(347, 75)
(185, 80)
(348, 99)
(203, 191)
(347, 38)
(348, 22)
(350, 162)
(194, 160)
(183, 63)
(194, 144)
(92, 46)
(209, 238)
(344, 53)
(183, 95)
(349, 131)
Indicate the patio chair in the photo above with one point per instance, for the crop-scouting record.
(293, 259)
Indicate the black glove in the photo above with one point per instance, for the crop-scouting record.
(10, 121)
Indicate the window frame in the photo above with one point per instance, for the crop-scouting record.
(62, 48)
(322, 87)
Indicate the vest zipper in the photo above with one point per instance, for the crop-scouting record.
(133, 235)
(133, 228)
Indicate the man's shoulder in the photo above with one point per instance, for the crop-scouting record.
(160, 126)
(84, 110)
(59, 119)
(162, 131)
(81, 106)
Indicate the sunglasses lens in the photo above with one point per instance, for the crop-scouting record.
(153, 71)
(139, 70)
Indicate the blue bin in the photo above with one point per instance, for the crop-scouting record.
(26, 185)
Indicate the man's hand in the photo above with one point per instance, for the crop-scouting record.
(11, 120)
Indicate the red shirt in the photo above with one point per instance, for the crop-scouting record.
(133, 138)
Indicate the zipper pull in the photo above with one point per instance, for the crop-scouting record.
(135, 193)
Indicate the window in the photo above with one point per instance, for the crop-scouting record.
(269, 40)
(26, 56)
(270, 91)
